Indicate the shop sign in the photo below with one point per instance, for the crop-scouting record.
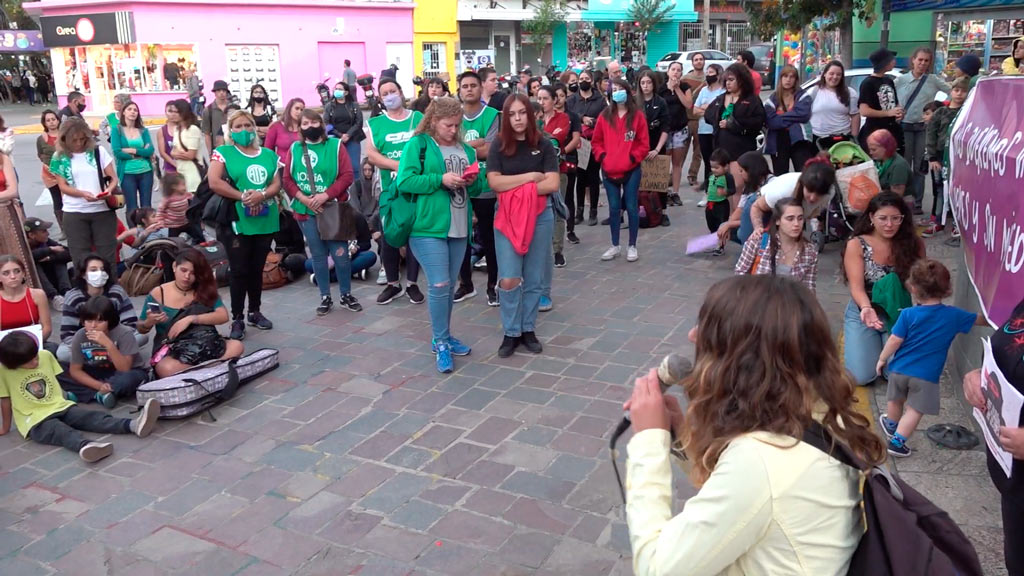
(88, 29)
(987, 163)
(21, 41)
(908, 5)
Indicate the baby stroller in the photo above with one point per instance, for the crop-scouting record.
(839, 215)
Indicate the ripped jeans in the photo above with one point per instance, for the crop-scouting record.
(519, 305)
(440, 259)
(320, 250)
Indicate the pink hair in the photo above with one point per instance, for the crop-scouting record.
(885, 139)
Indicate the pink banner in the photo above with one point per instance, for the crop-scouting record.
(986, 191)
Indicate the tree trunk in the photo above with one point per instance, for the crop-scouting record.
(846, 43)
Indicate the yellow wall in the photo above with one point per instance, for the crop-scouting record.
(434, 21)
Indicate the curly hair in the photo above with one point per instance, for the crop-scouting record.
(443, 107)
(906, 246)
(765, 361)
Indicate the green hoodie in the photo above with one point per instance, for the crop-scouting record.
(433, 203)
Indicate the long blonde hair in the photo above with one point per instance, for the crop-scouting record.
(235, 115)
(69, 128)
(445, 107)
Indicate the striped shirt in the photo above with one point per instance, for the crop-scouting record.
(69, 322)
(173, 209)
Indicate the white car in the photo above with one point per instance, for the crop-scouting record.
(686, 59)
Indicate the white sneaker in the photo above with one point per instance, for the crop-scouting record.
(703, 203)
(611, 253)
(58, 302)
(95, 451)
(146, 420)
(631, 254)
(382, 277)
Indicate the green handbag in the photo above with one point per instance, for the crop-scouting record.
(398, 212)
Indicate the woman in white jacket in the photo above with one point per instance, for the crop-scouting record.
(768, 503)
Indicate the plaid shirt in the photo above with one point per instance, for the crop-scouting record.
(805, 265)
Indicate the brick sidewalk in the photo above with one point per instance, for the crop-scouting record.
(355, 456)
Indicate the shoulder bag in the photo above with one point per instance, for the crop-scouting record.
(116, 199)
(336, 220)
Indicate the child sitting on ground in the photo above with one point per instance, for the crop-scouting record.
(51, 260)
(174, 208)
(105, 359)
(918, 345)
(31, 396)
(720, 187)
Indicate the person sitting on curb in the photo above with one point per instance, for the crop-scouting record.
(31, 396)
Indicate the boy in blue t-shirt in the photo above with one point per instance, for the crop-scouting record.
(918, 345)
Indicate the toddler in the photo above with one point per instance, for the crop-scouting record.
(31, 397)
(918, 345)
(720, 187)
(174, 207)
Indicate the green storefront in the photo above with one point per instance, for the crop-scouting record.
(951, 28)
(606, 32)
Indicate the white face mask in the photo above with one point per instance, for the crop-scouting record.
(96, 278)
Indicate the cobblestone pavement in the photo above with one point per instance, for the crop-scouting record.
(356, 457)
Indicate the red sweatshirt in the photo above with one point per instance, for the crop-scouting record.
(619, 148)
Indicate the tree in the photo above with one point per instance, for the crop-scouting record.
(12, 16)
(646, 14)
(767, 18)
(546, 18)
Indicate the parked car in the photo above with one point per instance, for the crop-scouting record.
(686, 59)
(764, 63)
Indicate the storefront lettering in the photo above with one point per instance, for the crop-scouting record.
(84, 29)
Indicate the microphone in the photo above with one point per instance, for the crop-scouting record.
(671, 371)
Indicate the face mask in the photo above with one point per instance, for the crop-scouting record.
(711, 79)
(96, 278)
(313, 133)
(619, 97)
(339, 94)
(393, 101)
(574, 87)
(258, 99)
(243, 138)
(81, 106)
(585, 86)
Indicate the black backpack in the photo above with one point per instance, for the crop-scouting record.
(906, 534)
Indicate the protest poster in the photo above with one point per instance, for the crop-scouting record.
(656, 174)
(1002, 408)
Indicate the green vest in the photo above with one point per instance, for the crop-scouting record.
(250, 173)
(324, 158)
(389, 137)
(476, 129)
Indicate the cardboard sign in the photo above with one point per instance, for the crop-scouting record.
(656, 175)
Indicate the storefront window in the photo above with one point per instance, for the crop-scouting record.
(106, 70)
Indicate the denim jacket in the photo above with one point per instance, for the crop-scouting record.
(792, 120)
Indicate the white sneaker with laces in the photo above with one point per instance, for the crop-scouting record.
(631, 254)
(382, 277)
(611, 253)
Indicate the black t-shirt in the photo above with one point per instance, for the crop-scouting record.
(541, 158)
(879, 94)
(676, 111)
(575, 125)
(1008, 352)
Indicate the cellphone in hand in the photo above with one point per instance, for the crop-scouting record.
(154, 307)
(471, 170)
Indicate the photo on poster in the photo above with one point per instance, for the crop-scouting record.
(1002, 408)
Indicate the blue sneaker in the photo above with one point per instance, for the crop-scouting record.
(70, 396)
(107, 399)
(545, 304)
(443, 350)
(888, 426)
(897, 447)
(458, 348)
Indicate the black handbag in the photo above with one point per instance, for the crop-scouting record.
(336, 220)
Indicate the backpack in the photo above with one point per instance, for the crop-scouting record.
(905, 533)
(151, 265)
(650, 202)
(273, 272)
(398, 211)
(217, 256)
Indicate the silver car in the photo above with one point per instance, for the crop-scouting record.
(686, 59)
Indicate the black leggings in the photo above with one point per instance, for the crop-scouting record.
(246, 257)
(707, 146)
(570, 199)
(391, 259)
(483, 209)
(58, 204)
(588, 180)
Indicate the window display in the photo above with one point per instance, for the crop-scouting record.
(127, 68)
(250, 64)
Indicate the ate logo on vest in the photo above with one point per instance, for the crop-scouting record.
(256, 174)
(471, 135)
(313, 159)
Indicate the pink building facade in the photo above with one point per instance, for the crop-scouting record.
(142, 47)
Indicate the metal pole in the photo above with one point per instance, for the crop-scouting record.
(707, 24)
(886, 9)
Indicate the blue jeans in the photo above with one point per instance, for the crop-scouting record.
(362, 261)
(629, 191)
(746, 224)
(354, 150)
(519, 305)
(319, 250)
(197, 106)
(441, 259)
(862, 345)
(138, 191)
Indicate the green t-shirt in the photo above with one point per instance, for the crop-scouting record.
(389, 138)
(483, 125)
(716, 183)
(894, 172)
(34, 392)
(251, 173)
(136, 165)
(323, 157)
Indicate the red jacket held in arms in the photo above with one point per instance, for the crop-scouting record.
(620, 148)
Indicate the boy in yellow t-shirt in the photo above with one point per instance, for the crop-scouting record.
(31, 397)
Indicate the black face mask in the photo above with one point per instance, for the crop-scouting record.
(313, 133)
(711, 79)
(585, 86)
(258, 99)
(574, 87)
(81, 106)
